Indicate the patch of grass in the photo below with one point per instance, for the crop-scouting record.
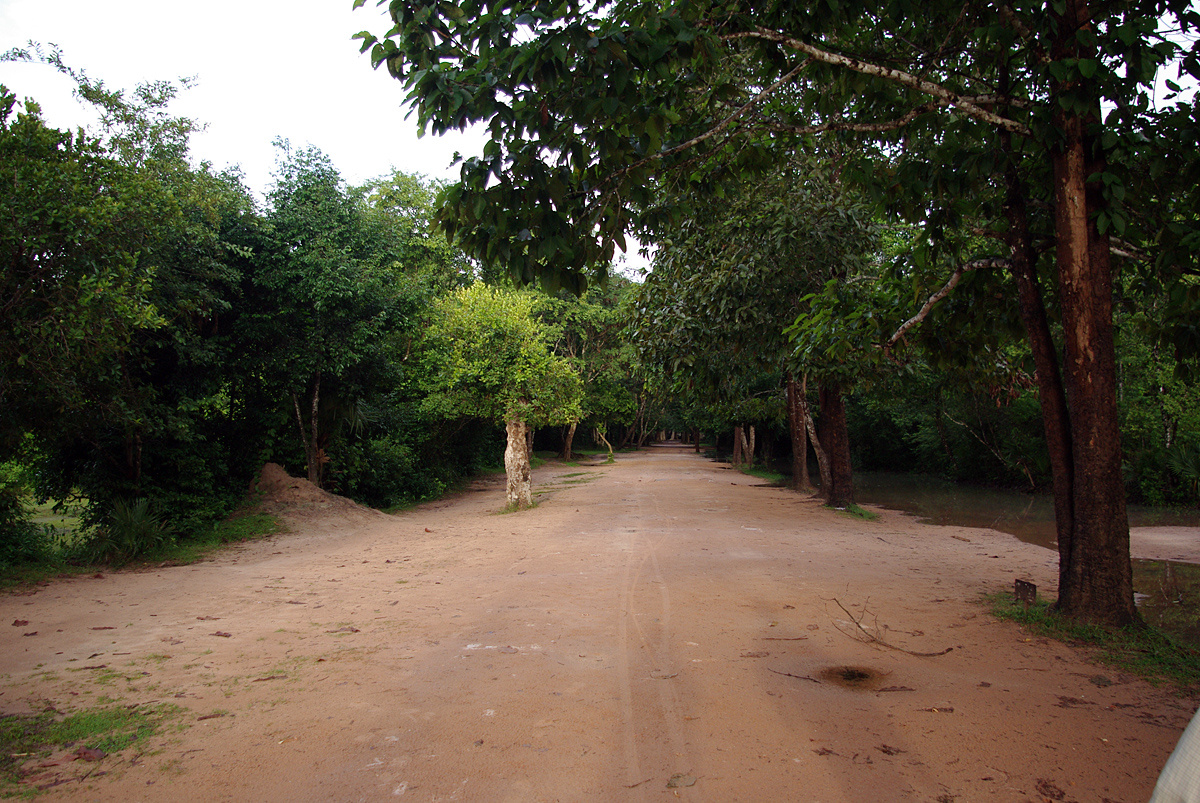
(1144, 651)
(857, 512)
(773, 477)
(110, 729)
(235, 529)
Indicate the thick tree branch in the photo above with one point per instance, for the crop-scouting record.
(736, 115)
(951, 283)
(961, 102)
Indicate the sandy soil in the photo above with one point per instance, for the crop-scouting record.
(662, 628)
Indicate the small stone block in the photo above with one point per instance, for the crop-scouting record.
(1025, 592)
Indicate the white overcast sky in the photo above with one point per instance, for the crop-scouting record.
(264, 68)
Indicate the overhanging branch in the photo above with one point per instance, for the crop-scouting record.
(951, 283)
(963, 103)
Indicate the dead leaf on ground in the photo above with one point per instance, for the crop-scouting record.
(346, 629)
(824, 751)
(90, 753)
(679, 780)
(104, 627)
(222, 634)
(1071, 702)
(888, 750)
(208, 618)
(20, 622)
(269, 677)
(1046, 788)
(756, 654)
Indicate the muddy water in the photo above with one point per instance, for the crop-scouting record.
(1168, 594)
(1030, 517)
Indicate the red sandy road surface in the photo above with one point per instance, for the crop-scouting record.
(652, 624)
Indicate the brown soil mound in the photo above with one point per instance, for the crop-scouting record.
(281, 494)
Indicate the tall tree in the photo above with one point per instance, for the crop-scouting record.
(491, 360)
(319, 304)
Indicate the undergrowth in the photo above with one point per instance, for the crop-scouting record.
(110, 729)
(1144, 651)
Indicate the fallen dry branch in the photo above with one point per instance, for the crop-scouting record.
(790, 675)
(871, 638)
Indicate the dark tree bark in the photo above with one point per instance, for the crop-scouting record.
(835, 439)
(1095, 574)
(799, 435)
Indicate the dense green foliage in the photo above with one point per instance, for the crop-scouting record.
(167, 334)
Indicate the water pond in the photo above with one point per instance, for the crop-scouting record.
(1168, 594)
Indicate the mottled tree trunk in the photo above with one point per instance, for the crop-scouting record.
(738, 440)
(313, 455)
(569, 440)
(516, 465)
(818, 449)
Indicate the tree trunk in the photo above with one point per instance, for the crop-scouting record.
(1095, 574)
(566, 451)
(799, 436)
(313, 456)
(516, 465)
(696, 436)
(738, 440)
(750, 445)
(600, 436)
(835, 439)
(818, 449)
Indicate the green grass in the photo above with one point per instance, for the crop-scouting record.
(773, 477)
(235, 529)
(1144, 651)
(111, 729)
(854, 511)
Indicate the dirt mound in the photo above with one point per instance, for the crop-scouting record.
(281, 494)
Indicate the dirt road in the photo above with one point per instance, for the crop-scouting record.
(662, 628)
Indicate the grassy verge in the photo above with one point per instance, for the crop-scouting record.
(1144, 651)
(233, 530)
(109, 729)
(773, 477)
(856, 512)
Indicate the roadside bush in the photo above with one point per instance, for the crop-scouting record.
(133, 531)
(22, 542)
